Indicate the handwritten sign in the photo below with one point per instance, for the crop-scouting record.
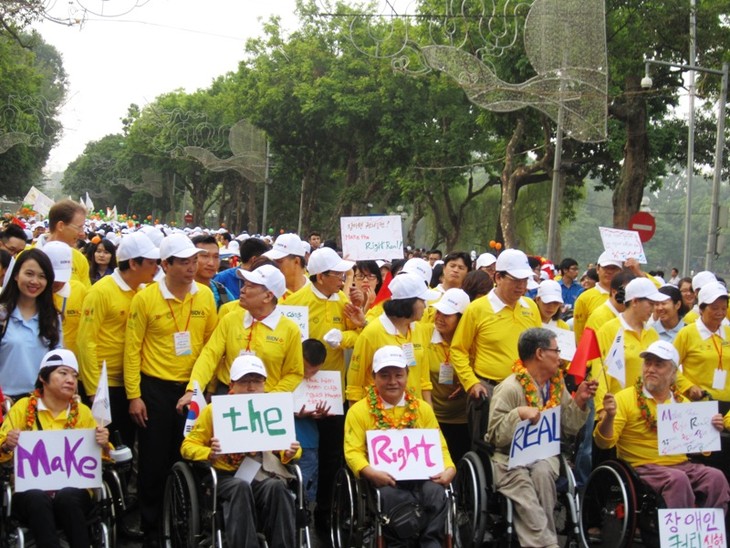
(533, 442)
(622, 244)
(53, 459)
(41, 203)
(299, 315)
(408, 454)
(687, 428)
(370, 238)
(691, 528)
(325, 386)
(254, 422)
(566, 342)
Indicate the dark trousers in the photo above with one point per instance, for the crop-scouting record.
(331, 459)
(44, 515)
(457, 439)
(432, 499)
(159, 447)
(121, 419)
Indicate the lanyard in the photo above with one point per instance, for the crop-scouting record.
(718, 349)
(250, 336)
(182, 306)
(407, 336)
(447, 354)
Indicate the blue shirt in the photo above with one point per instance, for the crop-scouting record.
(232, 282)
(21, 352)
(217, 294)
(668, 334)
(307, 433)
(570, 294)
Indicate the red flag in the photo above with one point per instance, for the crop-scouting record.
(384, 293)
(2, 406)
(587, 350)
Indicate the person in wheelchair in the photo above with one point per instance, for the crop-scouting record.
(388, 405)
(536, 384)
(629, 423)
(268, 496)
(54, 405)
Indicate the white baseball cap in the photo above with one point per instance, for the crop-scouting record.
(178, 245)
(59, 356)
(61, 257)
(663, 350)
(643, 288)
(485, 259)
(267, 275)
(326, 259)
(243, 365)
(389, 356)
(550, 292)
(286, 244)
(409, 286)
(701, 279)
(418, 266)
(514, 262)
(710, 292)
(607, 259)
(137, 245)
(454, 301)
(154, 234)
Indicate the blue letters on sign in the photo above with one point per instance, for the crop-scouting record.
(545, 431)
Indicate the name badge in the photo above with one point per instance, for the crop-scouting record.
(446, 374)
(409, 354)
(719, 379)
(183, 345)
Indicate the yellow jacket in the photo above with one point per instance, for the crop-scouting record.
(70, 310)
(699, 354)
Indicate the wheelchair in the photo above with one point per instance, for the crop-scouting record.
(357, 516)
(101, 518)
(191, 515)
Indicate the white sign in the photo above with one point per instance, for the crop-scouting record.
(50, 460)
(691, 528)
(324, 386)
(566, 342)
(622, 244)
(687, 428)
(41, 203)
(408, 454)
(533, 442)
(254, 422)
(299, 315)
(371, 238)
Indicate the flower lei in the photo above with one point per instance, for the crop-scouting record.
(385, 422)
(528, 385)
(31, 413)
(644, 407)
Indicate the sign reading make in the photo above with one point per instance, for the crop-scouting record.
(254, 422)
(533, 442)
(371, 238)
(50, 460)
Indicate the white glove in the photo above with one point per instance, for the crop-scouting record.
(333, 338)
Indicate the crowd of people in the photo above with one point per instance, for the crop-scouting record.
(416, 343)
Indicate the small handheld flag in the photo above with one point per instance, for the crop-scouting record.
(197, 404)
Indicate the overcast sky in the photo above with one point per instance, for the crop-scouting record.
(158, 46)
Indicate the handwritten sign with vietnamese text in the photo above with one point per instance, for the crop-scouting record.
(533, 442)
(691, 528)
(408, 454)
(370, 238)
(53, 459)
(299, 315)
(254, 422)
(687, 428)
(324, 386)
(622, 244)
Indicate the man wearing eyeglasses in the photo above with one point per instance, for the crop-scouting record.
(536, 384)
(13, 239)
(66, 224)
(491, 326)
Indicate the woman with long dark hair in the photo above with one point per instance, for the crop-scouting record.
(29, 322)
(102, 258)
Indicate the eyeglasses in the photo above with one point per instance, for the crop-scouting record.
(339, 275)
(361, 277)
(516, 280)
(552, 350)
(76, 228)
(250, 381)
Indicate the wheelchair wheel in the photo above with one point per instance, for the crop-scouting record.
(610, 504)
(470, 487)
(180, 511)
(344, 528)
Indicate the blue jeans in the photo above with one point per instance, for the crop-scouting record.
(583, 456)
(308, 464)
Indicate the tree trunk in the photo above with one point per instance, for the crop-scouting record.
(251, 207)
(634, 172)
(509, 188)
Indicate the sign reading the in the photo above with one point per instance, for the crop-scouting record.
(691, 528)
(50, 460)
(299, 315)
(408, 454)
(622, 244)
(254, 422)
(533, 442)
(687, 428)
(370, 238)
(325, 386)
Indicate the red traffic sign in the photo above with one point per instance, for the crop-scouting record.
(644, 223)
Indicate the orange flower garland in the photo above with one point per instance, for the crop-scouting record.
(649, 419)
(386, 422)
(32, 412)
(528, 385)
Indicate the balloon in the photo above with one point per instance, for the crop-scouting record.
(498, 246)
